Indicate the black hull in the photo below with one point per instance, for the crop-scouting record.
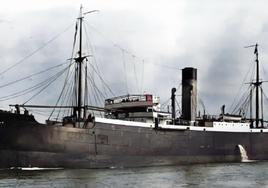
(107, 145)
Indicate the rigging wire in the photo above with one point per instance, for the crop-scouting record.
(202, 104)
(95, 87)
(86, 87)
(92, 49)
(36, 50)
(165, 104)
(127, 51)
(97, 70)
(66, 78)
(103, 81)
(48, 84)
(62, 91)
(32, 75)
(43, 85)
(179, 108)
(135, 72)
(250, 70)
(242, 100)
(265, 72)
(266, 100)
(30, 89)
(95, 96)
(111, 41)
(122, 48)
(239, 103)
(142, 75)
(68, 98)
(124, 70)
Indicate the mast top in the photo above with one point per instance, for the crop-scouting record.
(256, 49)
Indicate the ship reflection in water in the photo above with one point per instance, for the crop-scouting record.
(205, 175)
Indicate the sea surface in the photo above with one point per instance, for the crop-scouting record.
(251, 174)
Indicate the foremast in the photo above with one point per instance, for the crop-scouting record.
(79, 60)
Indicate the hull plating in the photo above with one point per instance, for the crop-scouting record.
(107, 145)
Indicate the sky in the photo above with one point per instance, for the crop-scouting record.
(158, 38)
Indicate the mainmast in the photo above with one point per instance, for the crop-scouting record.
(257, 84)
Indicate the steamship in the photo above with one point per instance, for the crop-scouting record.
(133, 131)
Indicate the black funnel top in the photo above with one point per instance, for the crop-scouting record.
(189, 73)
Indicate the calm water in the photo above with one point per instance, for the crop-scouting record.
(207, 175)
